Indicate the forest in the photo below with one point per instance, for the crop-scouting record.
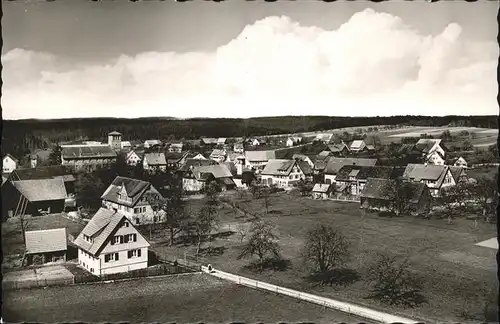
(21, 137)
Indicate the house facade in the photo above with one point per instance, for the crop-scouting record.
(257, 160)
(321, 191)
(239, 148)
(197, 177)
(132, 158)
(87, 157)
(339, 149)
(303, 157)
(292, 141)
(175, 147)
(351, 179)
(9, 163)
(435, 158)
(334, 164)
(357, 146)
(218, 155)
(460, 162)
(110, 243)
(436, 177)
(154, 162)
(282, 173)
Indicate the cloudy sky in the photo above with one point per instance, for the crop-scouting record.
(239, 58)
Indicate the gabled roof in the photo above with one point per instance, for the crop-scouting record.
(155, 158)
(335, 164)
(324, 153)
(326, 137)
(41, 189)
(217, 171)
(196, 163)
(100, 228)
(44, 241)
(221, 140)
(301, 157)
(279, 167)
(218, 153)
(335, 148)
(456, 172)
(305, 167)
(321, 187)
(115, 133)
(419, 172)
(260, 155)
(174, 157)
(10, 156)
(424, 145)
(232, 168)
(370, 147)
(129, 154)
(134, 188)
(357, 144)
(4, 179)
(384, 189)
(209, 140)
(152, 142)
(87, 151)
(177, 145)
(409, 149)
(363, 172)
(47, 172)
(126, 144)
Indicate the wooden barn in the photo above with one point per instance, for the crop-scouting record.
(46, 246)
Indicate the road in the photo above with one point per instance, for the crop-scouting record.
(185, 299)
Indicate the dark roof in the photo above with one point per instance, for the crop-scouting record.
(279, 167)
(409, 149)
(424, 145)
(335, 164)
(384, 189)
(41, 189)
(456, 172)
(155, 158)
(87, 151)
(13, 158)
(174, 157)
(363, 172)
(135, 190)
(305, 167)
(335, 148)
(420, 172)
(44, 241)
(47, 172)
(231, 167)
(195, 163)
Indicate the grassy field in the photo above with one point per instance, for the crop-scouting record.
(182, 299)
(455, 272)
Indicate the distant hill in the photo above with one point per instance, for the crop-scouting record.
(22, 136)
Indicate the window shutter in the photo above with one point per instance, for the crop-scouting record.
(129, 254)
(125, 239)
(113, 240)
(139, 252)
(106, 258)
(121, 239)
(116, 257)
(135, 237)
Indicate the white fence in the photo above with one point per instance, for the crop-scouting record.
(326, 302)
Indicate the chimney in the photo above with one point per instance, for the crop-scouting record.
(33, 161)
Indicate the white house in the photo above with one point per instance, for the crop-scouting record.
(435, 158)
(110, 243)
(195, 179)
(218, 155)
(283, 173)
(258, 159)
(9, 163)
(239, 148)
(129, 197)
(256, 142)
(436, 177)
(292, 141)
(321, 191)
(324, 137)
(175, 147)
(151, 143)
(460, 162)
(154, 162)
(132, 158)
(357, 146)
(428, 148)
(303, 157)
(126, 145)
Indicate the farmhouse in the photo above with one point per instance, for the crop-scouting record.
(292, 141)
(257, 160)
(321, 191)
(47, 172)
(380, 195)
(46, 246)
(458, 173)
(283, 173)
(435, 158)
(154, 162)
(129, 197)
(196, 156)
(209, 141)
(324, 138)
(334, 164)
(115, 141)
(339, 149)
(426, 150)
(192, 163)
(9, 163)
(34, 197)
(152, 143)
(218, 155)
(303, 157)
(352, 178)
(198, 177)
(357, 146)
(238, 148)
(460, 162)
(87, 157)
(175, 160)
(221, 141)
(132, 158)
(436, 177)
(126, 145)
(175, 147)
(111, 244)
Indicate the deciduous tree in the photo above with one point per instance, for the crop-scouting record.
(262, 242)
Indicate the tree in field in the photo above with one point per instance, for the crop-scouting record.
(157, 203)
(24, 224)
(402, 193)
(88, 190)
(486, 191)
(176, 217)
(265, 194)
(55, 155)
(450, 198)
(203, 224)
(255, 190)
(392, 282)
(325, 249)
(262, 242)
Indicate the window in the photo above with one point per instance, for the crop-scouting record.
(111, 257)
(92, 270)
(291, 177)
(134, 253)
(140, 210)
(125, 224)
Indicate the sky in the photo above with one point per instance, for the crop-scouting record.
(66, 59)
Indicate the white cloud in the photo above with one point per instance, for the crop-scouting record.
(372, 65)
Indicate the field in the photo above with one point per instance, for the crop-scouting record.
(482, 136)
(183, 299)
(456, 273)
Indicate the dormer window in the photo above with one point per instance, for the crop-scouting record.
(87, 238)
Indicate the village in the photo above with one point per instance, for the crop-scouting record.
(94, 211)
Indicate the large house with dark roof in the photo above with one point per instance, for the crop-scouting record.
(129, 197)
(285, 173)
(47, 172)
(351, 179)
(197, 177)
(436, 177)
(380, 195)
(111, 244)
(334, 164)
(87, 156)
(154, 162)
(33, 197)
(426, 150)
